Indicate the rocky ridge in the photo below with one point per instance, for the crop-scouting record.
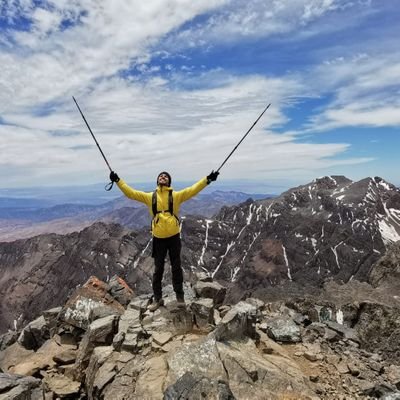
(330, 229)
(104, 344)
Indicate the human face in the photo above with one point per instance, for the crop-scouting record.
(163, 180)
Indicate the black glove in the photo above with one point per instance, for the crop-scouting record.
(114, 177)
(212, 177)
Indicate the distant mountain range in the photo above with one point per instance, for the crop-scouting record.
(332, 229)
(26, 218)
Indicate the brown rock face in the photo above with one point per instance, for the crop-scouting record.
(90, 302)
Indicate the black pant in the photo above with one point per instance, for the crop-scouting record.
(172, 245)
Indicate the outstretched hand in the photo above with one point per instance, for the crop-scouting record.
(114, 177)
(212, 177)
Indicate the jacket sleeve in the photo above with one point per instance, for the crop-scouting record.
(133, 194)
(189, 192)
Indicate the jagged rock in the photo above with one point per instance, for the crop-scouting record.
(182, 321)
(203, 277)
(69, 335)
(150, 382)
(310, 356)
(42, 359)
(391, 396)
(139, 303)
(120, 290)
(13, 355)
(7, 339)
(344, 331)
(66, 357)
(393, 374)
(312, 332)
(238, 323)
(201, 359)
(378, 329)
(100, 371)
(100, 331)
(283, 330)
(291, 226)
(35, 334)
(212, 290)
(130, 321)
(203, 312)
(162, 338)
(190, 387)
(252, 375)
(61, 386)
(89, 302)
(259, 304)
(386, 271)
(16, 387)
(380, 390)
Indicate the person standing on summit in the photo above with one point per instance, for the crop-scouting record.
(163, 206)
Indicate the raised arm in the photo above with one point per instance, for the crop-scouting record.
(133, 194)
(189, 192)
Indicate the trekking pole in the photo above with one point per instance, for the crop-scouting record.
(109, 185)
(241, 140)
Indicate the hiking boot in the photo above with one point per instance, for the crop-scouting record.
(155, 305)
(180, 300)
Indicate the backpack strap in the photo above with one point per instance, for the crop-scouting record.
(170, 204)
(154, 204)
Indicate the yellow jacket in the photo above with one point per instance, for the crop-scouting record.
(165, 225)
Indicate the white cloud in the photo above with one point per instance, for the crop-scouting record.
(186, 122)
(143, 128)
(240, 19)
(365, 92)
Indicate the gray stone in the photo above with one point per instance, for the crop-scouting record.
(162, 338)
(238, 323)
(283, 330)
(344, 331)
(190, 387)
(380, 390)
(100, 371)
(129, 321)
(203, 277)
(200, 358)
(118, 340)
(61, 385)
(52, 314)
(259, 304)
(35, 334)
(391, 396)
(99, 332)
(101, 329)
(203, 311)
(182, 320)
(212, 290)
(7, 339)
(150, 382)
(139, 303)
(66, 357)
(253, 375)
(10, 381)
(120, 290)
(310, 356)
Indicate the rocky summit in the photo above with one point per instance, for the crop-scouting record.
(295, 297)
(103, 343)
(332, 229)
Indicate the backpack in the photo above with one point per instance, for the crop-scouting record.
(170, 205)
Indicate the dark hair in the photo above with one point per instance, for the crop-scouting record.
(165, 173)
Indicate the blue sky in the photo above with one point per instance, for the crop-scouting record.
(173, 85)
